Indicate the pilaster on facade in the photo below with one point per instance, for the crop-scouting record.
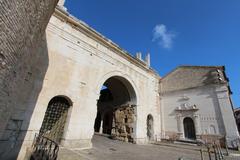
(227, 115)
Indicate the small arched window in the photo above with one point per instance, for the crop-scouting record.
(212, 129)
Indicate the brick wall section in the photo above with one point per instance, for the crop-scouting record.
(22, 26)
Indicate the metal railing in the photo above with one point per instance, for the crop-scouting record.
(215, 150)
(44, 148)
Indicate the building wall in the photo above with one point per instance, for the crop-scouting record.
(78, 66)
(226, 108)
(205, 100)
(22, 26)
(213, 116)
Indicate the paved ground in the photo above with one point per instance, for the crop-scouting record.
(107, 149)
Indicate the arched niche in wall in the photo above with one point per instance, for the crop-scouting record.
(55, 118)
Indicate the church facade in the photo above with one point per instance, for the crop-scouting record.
(197, 96)
(93, 86)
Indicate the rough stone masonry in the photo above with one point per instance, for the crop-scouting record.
(22, 26)
(124, 118)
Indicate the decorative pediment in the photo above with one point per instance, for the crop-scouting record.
(184, 98)
(187, 107)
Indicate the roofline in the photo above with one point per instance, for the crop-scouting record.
(188, 66)
(236, 109)
(60, 13)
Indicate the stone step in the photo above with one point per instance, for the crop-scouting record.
(190, 143)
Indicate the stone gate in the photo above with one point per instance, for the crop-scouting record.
(81, 62)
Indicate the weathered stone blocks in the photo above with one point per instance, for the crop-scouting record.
(123, 123)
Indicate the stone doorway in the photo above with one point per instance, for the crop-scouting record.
(55, 118)
(116, 110)
(150, 131)
(189, 128)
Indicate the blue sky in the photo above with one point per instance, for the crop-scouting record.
(175, 32)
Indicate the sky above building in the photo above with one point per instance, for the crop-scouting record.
(174, 32)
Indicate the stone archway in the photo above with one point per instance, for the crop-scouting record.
(116, 109)
(150, 130)
(189, 128)
(55, 118)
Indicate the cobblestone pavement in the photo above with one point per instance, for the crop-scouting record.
(107, 149)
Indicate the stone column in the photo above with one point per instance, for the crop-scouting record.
(180, 126)
(197, 126)
(101, 127)
(226, 111)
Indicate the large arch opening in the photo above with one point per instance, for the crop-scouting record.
(116, 110)
(189, 128)
(55, 118)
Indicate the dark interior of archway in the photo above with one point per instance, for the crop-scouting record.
(113, 96)
(189, 128)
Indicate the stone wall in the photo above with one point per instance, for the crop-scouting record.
(209, 106)
(187, 77)
(80, 62)
(206, 114)
(22, 27)
(123, 126)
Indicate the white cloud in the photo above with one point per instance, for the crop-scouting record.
(163, 36)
